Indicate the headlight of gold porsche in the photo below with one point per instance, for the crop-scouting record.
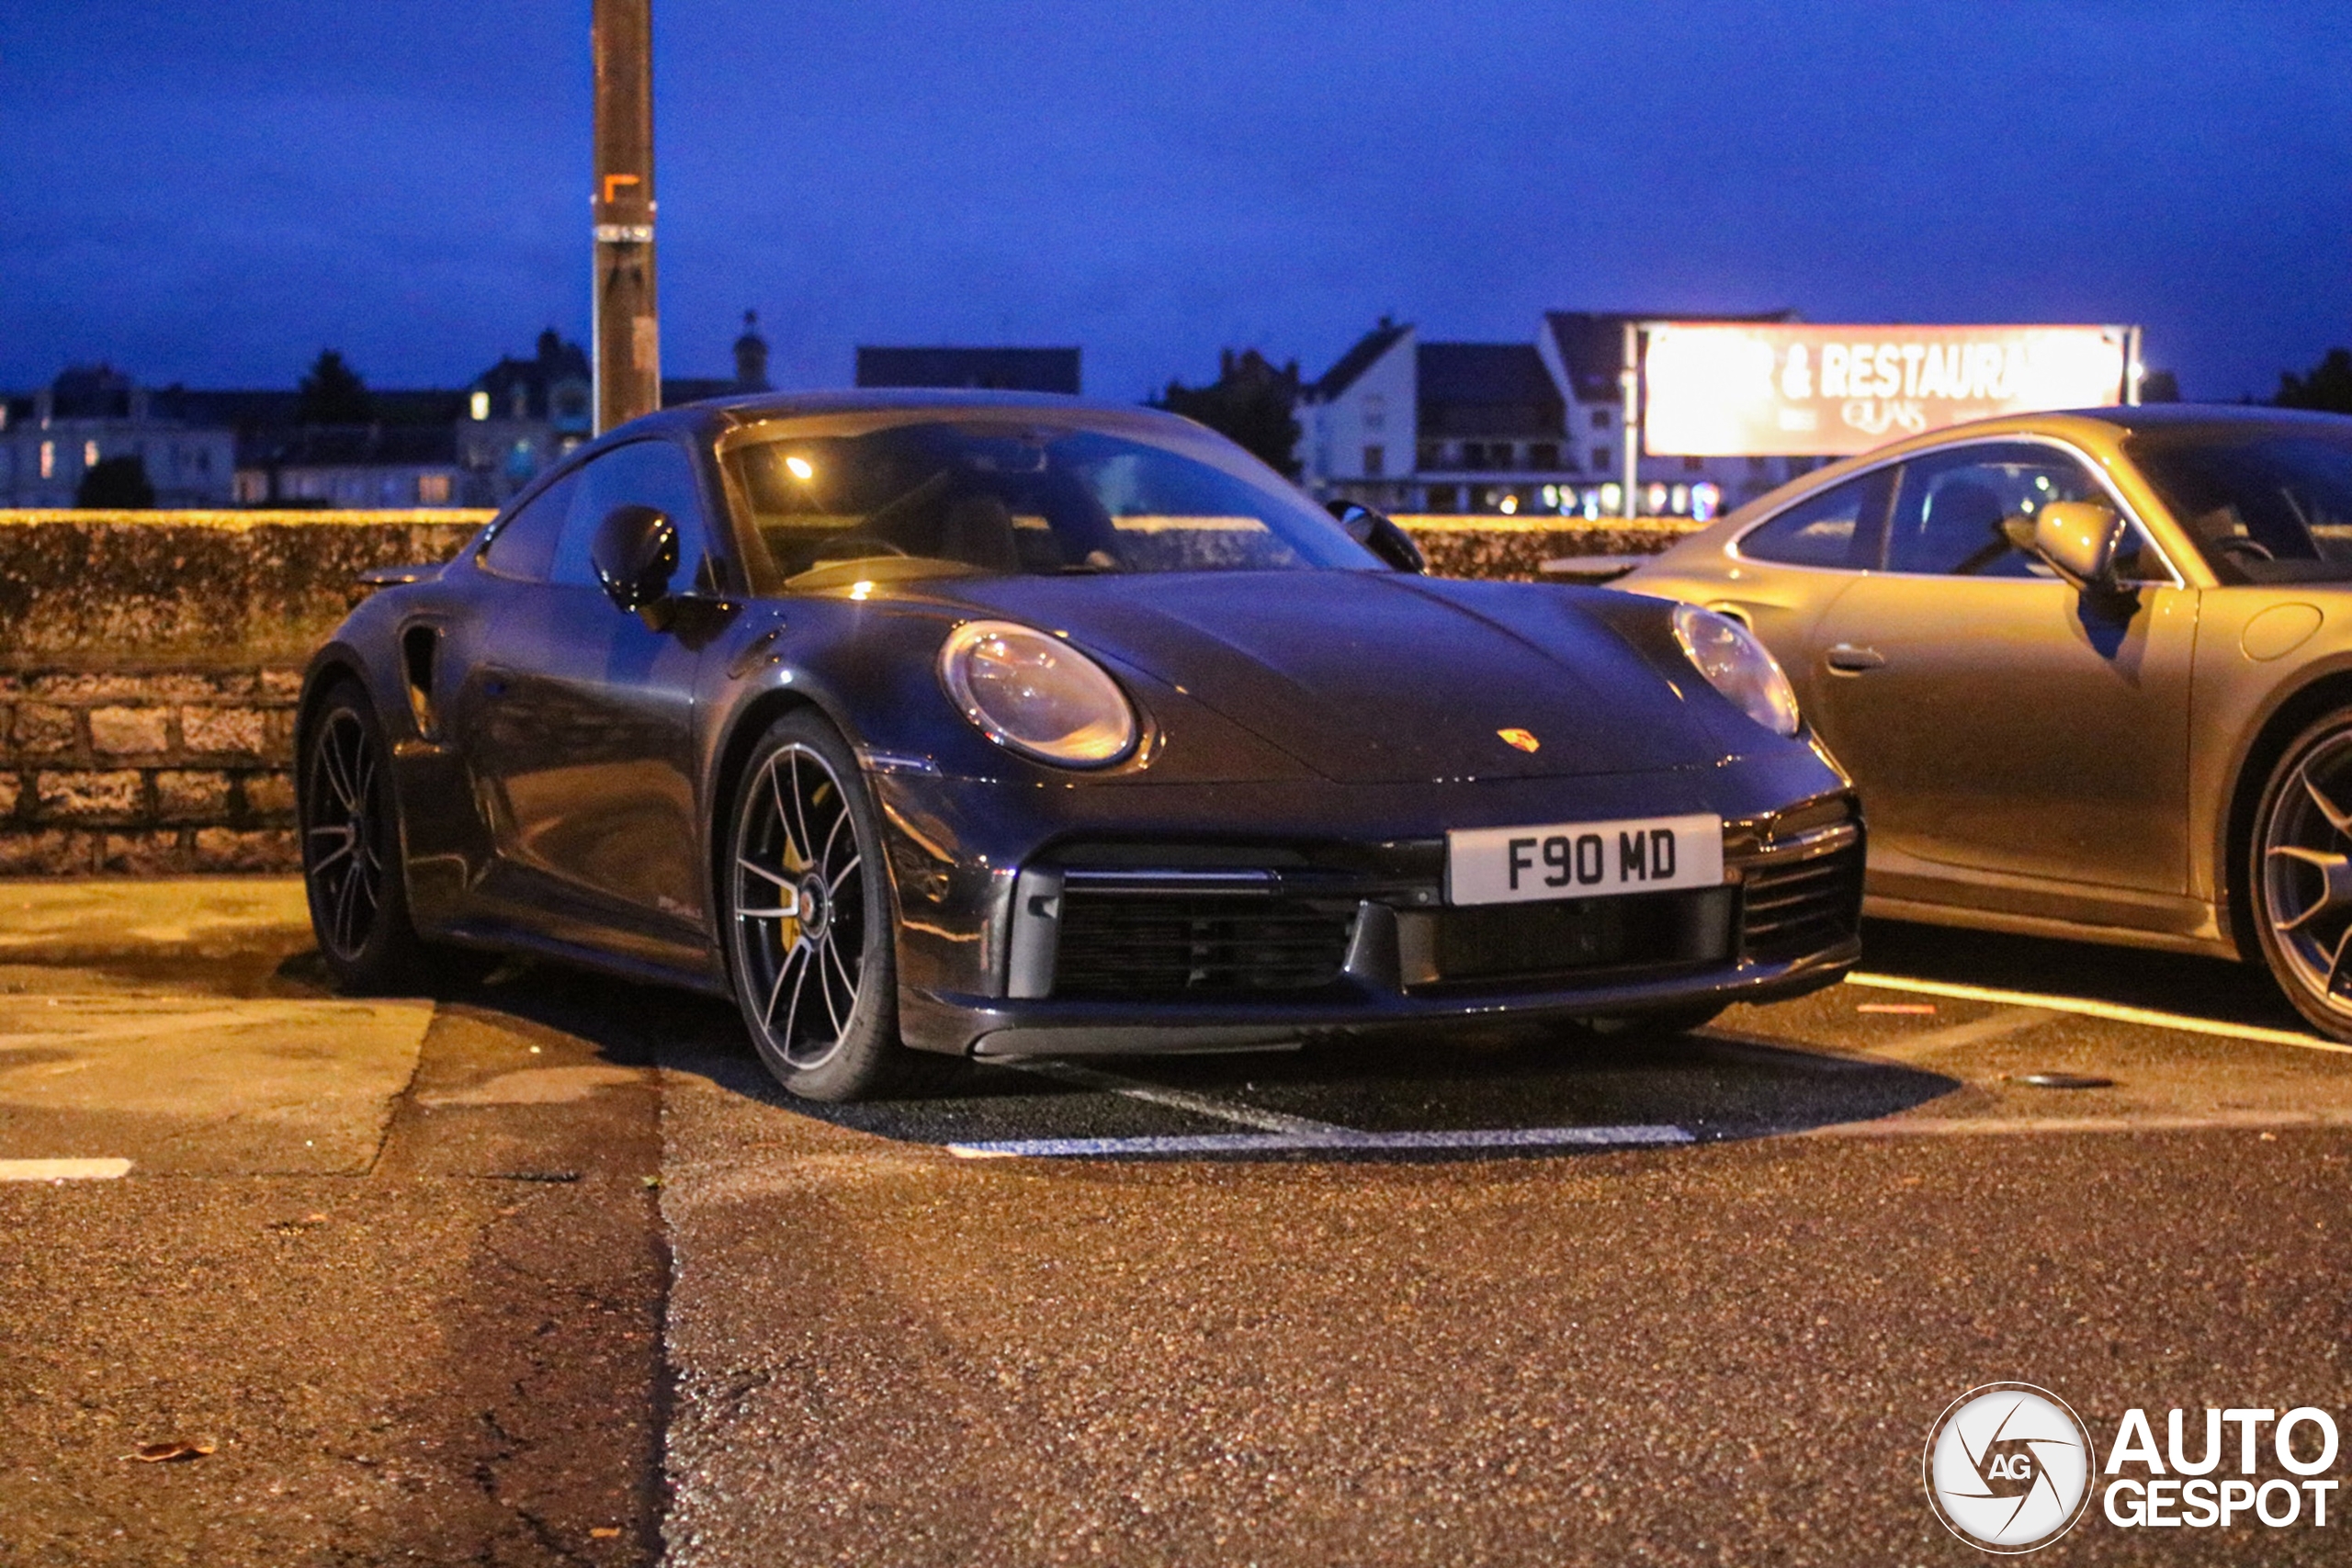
(1037, 694)
(1738, 666)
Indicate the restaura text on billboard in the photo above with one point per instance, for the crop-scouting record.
(1802, 390)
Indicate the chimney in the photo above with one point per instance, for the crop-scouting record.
(751, 357)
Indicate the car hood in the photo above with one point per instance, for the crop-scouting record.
(1378, 678)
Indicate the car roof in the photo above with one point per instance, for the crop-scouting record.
(750, 408)
(2217, 417)
(710, 418)
(2101, 430)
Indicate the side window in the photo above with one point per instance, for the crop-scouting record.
(644, 473)
(1837, 528)
(524, 546)
(1950, 514)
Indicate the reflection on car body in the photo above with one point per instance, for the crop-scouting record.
(2092, 673)
(984, 724)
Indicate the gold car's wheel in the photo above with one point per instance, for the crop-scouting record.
(2302, 874)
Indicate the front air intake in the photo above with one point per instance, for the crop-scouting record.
(1791, 912)
(1197, 944)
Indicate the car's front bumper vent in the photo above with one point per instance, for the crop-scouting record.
(1635, 936)
(1130, 942)
(1803, 898)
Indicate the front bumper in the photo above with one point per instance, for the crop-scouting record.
(983, 1027)
(981, 873)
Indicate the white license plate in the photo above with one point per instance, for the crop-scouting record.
(1583, 860)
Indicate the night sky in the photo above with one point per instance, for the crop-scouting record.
(210, 194)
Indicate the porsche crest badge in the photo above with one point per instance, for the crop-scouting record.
(1520, 738)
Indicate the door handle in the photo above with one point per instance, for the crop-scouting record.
(1848, 658)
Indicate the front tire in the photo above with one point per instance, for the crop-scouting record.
(351, 867)
(809, 917)
(2299, 863)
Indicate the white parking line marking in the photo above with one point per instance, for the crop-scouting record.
(62, 1169)
(1177, 1100)
(1279, 1133)
(1337, 1139)
(2112, 1012)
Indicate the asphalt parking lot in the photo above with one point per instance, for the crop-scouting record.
(542, 1271)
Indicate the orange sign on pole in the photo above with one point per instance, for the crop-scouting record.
(1740, 389)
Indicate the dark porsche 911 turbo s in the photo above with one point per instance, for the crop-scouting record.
(1000, 726)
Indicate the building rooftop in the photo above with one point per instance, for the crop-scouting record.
(1360, 359)
(553, 384)
(352, 445)
(1498, 390)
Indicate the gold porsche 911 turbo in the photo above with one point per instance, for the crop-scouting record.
(2092, 673)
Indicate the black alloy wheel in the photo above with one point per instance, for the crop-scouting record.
(351, 846)
(2300, 863)
(809, 917)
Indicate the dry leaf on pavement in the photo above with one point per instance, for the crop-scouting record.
(165, 1453)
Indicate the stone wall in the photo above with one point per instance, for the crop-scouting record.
(147, 774)
(1519, 547)
(149, 668)
(149, 664)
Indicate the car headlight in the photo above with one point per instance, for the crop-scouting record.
(1738, 665)
(1037, 694)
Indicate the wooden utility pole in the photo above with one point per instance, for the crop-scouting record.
(628, 321)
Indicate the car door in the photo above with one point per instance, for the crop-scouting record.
(1785, 572)
(578, 719)
(2001, 725)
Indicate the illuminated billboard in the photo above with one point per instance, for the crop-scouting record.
(1802, 390)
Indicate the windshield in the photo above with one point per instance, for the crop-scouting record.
(2265, 505)
(985, 496)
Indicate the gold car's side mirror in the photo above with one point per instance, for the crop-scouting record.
(2078, 540)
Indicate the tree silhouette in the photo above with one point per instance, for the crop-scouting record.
(116, 484)
(2328, 387)
(1250, 402)
(333, 393)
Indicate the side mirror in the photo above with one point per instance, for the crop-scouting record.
(1379, 534)
(2078, 539)
(636, 555)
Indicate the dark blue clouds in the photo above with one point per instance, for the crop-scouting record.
(211, 196)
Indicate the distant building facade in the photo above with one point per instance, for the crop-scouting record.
(1410, 426)
(520, 416)
(990, 370)
(90, 413)
(359, 468)
(404, 457)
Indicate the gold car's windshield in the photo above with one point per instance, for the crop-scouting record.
(2266, 503)
(965, 494)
